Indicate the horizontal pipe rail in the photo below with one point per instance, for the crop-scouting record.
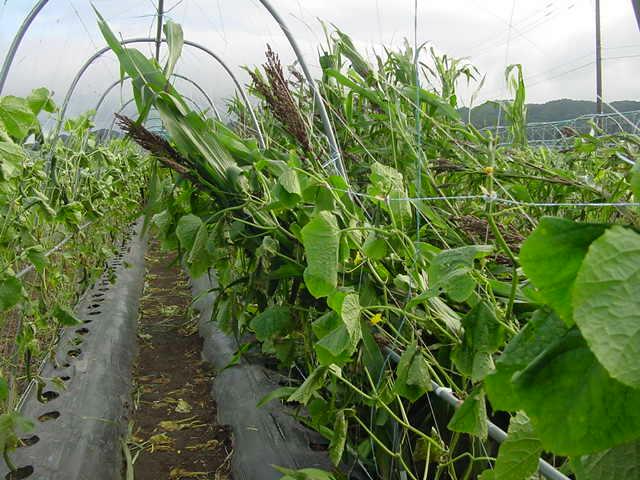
(495, 432)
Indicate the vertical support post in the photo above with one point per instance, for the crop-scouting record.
(598, 61)
(159, 28)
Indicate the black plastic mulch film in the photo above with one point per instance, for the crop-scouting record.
(262, 436)
(79, 429)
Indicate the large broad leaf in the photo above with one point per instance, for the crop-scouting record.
(375, 247)
(187, 229)
(518, 455)
(199, 259)
(11, 292)
(542, 330)
(271, 322)
(41, 100)
(11, 159)
(65, 317)
(37, 257)
(412, 374)
(576, 408)
(17, 117)
(304, 474)
(634, 181)
(552, 256)
(347, 305)
(4, 389)
(321, 240)
(388, 184)
(606, 302)
(621, 462)
(483, 335)
(471, 416)
(450, 271)
(312, 384)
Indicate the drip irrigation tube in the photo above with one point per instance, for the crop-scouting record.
(495, 432)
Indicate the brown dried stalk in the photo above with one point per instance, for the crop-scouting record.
(159, 148)
(279, 98)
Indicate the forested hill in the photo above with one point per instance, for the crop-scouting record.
(564, 109)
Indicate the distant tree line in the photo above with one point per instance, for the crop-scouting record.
(486, 115)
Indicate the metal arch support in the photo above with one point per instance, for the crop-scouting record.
(177, 75)
(336, 157)
(201, 90)
(239, 86)
(17, 40)
(328, 129)
(99, 53)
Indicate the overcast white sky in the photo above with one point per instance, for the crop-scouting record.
(553, 39)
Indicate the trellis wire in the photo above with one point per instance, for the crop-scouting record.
(493, 198)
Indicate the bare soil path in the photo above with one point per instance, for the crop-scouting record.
(173, 431)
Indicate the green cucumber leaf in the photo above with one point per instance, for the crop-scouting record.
(575, 407)
(519, 454)
(471, 416)
(11, 292)
(606, 302)
(551, 257)
(274, 321)
(620, 462)
(339, 440)
(543, 329)
(483, 335)
(321, 240)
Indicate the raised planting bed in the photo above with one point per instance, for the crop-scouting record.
(262, 436)
(81, 413)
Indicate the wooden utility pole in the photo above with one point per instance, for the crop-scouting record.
(598, 61)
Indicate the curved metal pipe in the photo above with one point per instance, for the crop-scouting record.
(336, 157)
(17, 40)
(102, 51)
(177, 75)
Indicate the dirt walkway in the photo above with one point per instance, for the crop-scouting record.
(174, 434)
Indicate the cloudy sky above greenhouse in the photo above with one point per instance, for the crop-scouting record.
(554, 40)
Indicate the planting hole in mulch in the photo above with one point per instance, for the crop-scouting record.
(173, 433)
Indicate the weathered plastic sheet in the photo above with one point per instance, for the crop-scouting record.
(262, 436)
(82, 427)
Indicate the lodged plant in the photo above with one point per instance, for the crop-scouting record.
(434, 263)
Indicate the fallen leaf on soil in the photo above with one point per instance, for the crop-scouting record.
(177, 473)
(210, 445)
(172, 426)
(161, 442)
(183, 407)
